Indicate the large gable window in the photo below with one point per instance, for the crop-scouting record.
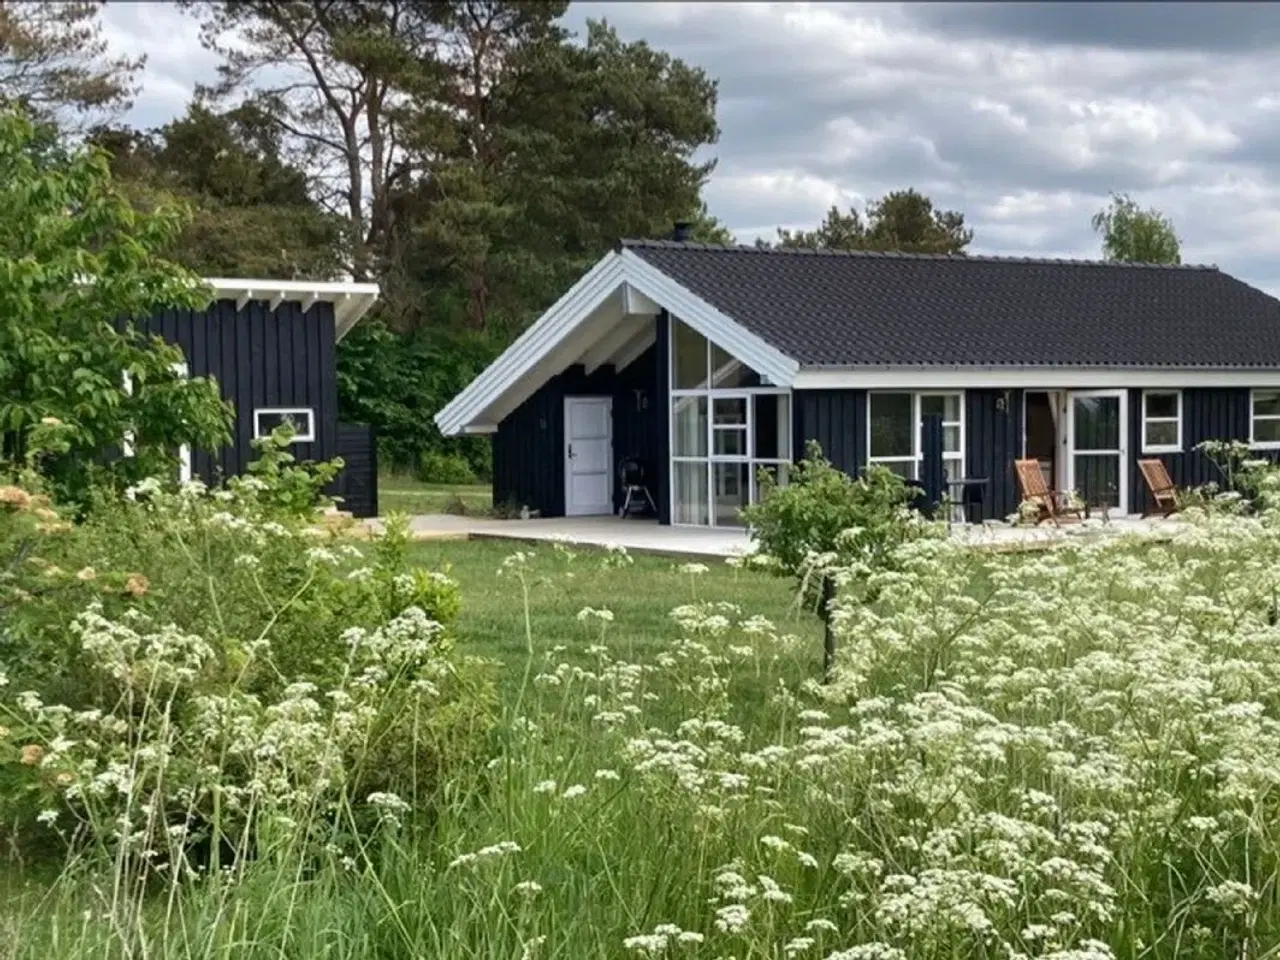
(726, 426)
(1264, 423)
(893, 430)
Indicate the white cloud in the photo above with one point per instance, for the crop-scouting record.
(1023, 116)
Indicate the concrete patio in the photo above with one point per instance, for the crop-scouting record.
(646, 536)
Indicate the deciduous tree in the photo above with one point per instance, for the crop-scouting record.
(903, 220)
(253, 213)
(76, 262)
(1131, 234)
(53, 61)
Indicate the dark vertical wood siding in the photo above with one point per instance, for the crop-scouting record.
(993, 440)
(528, 447)
(837, 419)
(1207, 414)
(357, 485)
(662, 414)
(260, 358)
(636, 422)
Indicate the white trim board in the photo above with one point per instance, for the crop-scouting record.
(645, 284)
(351, 301)
(1033, 378)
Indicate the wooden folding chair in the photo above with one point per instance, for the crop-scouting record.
(1163, 493)
(1035, 490)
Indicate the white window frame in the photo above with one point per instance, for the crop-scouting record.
(308, 437)
(1147, 420)
(1254, 418)
(184, 451)
(709, 461)
(917, 454)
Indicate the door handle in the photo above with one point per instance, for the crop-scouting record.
(571, 453)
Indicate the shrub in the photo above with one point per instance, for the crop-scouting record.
(262, 683)
(436, 467)
(823, 517)
(76, 258)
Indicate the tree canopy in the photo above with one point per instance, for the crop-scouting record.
(76, 258)
(53, 62)
(253, 213)
(902, 220)
(1131, 234)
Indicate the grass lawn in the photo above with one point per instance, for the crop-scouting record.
(403, 494)
(641, 596)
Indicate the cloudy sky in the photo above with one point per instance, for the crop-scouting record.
(1023, 116)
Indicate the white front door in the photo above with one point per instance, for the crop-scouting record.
(1098, 455)
(588, 455)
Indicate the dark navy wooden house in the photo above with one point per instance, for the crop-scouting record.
(272, 347)
(707, 363)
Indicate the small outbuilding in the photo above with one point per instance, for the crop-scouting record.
(272, 346)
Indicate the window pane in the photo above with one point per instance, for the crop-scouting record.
(1098, 479)
(727, 371)
(778, 471)
(1163, 433)
(903, 468)
(953, 469)
(730, 442)
(891, 427)
(268, 420)
(730, 410)
(689, 357)
(947, 406)
(691, 493)
(1266, 403)
(730, 485)
(1162, 405)
(772, 425)
(951, 440)
(1266, 431)
(690, 438)
(1097, 423)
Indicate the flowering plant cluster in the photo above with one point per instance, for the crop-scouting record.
(1063, 755)
(191, 671)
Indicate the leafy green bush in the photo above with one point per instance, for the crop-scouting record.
(75, 258)
(399, 381)
(437, 467)
(262, 682)
(822, 517)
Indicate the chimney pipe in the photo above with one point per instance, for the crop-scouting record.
(683, 231)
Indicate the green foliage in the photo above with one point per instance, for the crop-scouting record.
(822, 516)
(76, 258)
(53, 62)
(267, 683)
(398, 382)
(903, 220)
(278, 485)
(1133, 235)
(435, 467)
(705, 228)
(253, 213)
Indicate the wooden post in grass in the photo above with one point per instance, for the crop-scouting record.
(828, 635)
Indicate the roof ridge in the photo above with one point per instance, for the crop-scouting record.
(632, 243)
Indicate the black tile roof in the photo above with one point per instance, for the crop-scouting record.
(850, 309)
